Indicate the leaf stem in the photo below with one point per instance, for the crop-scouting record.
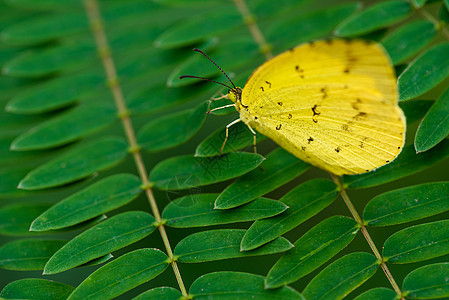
(365, 233)
(93, 13)
(257, 35)
(440, 25)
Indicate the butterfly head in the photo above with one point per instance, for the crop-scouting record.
(235, 95)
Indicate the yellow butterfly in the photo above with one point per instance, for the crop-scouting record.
(331, 103)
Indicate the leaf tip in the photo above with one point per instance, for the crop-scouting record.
(13, 146)
(20, 186)
(34, 226)
(218, 206)
(46, 270)
(244, 248)
(268, 284)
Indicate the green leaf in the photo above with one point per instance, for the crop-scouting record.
(407, 163)
(342, 276)
(378, 294)
(198, 210)
(55, 94)
(407, 204)
(417, 243)
(435, 125)
(425, 72)
(15, 219)
(28, 254)
(36, 289)
(78, 163)
(427, 282)
(44, 28)
(304, 201)
(48, 60)
(239, 137)
(200, 28)
(380, 15)
(409, 39)
(98, 198)
(222, 244)
(172, 130)
(279, 168)
(415, 110)
(313, 249)
(67, 127)
(238, 286)
(186, 171)
(160, 293)
(313, 25)
(122, 274)
(108, 236)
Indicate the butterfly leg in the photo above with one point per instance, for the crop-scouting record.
(254, 137)
(223, 96)
(221, 107)
(227, 133)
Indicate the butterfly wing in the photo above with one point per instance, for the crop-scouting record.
(330, 103)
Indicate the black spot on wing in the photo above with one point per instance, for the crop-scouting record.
(359, 115)
(324, 91)
(315, 113)
(300, 71)
(356, 104)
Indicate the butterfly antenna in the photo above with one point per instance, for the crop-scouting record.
(198, 50)
(207, 79)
